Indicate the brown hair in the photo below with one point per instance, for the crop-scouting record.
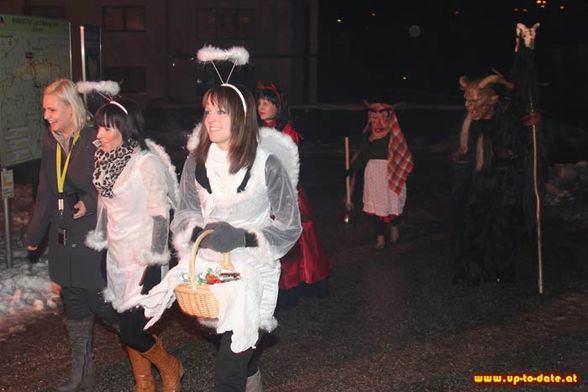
(244, 129)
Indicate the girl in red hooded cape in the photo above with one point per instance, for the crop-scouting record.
(305, 268)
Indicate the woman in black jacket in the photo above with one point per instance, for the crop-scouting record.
(66, 206)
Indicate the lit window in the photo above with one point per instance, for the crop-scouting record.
(225, 23)
(123, 18)
(135, 19)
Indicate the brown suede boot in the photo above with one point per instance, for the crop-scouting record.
(144, 381)
(170, 368)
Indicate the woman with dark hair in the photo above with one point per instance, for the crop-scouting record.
(66, 205)
(306, 268)
(137, 187)
(241, 183)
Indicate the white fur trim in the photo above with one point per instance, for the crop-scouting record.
(181, 240)
(237, 54)
(107, 87)
(194, 138)
(284, 148)
(209, 323)
(108, 295)
(268, 324)
(172, 178)
(150, 258)
(96, 240)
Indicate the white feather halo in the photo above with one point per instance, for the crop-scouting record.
(106, 87)
(237, 54)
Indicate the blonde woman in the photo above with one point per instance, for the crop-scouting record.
(65, 207)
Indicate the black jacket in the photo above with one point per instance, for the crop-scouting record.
(72, 264)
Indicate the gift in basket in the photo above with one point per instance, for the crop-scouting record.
(195, 297)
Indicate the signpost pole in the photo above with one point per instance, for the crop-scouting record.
(7, 193)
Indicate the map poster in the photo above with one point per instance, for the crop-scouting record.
(33, 52)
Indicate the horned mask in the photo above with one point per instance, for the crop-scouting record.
(480, 95)
(526, 35)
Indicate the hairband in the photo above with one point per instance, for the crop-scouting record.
(113, 102)
(105, 88)
(271, 87)
(238, 92)
(237, 55)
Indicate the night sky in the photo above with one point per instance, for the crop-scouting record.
(378, 47)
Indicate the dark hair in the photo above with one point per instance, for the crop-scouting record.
(131, 125)
(244, 129)
(280, 100)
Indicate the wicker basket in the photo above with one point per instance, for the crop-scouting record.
(196, 299)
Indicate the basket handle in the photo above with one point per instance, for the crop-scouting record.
(226, 263)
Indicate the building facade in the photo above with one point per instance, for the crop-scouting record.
(149, 46)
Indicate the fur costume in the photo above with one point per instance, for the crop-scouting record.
(498, 200)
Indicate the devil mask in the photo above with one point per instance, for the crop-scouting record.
(480, 97)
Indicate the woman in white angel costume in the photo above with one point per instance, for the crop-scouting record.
(240, 181)
(137, 187)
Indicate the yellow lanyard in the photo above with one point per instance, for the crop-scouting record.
(61, 172)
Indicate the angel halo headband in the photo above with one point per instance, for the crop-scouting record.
(238, 92)
(237, 55)
(106, 88)
(113, 102)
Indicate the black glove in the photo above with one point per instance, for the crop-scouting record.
(224, 238)
(195, 233)
(151, 277)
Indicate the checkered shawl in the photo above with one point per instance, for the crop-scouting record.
(399, 158)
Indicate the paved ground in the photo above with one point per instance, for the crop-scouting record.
(392, 321)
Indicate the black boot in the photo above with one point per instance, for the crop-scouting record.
(83, 371)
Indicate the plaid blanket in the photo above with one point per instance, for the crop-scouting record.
(399, 158)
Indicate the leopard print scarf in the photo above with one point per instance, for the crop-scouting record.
(109, 165)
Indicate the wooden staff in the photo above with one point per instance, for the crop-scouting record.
(347, 177)
(537, 202)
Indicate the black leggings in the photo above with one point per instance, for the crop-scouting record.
(133, 320)
(80, 303)
(232, 369)
(132, 334)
